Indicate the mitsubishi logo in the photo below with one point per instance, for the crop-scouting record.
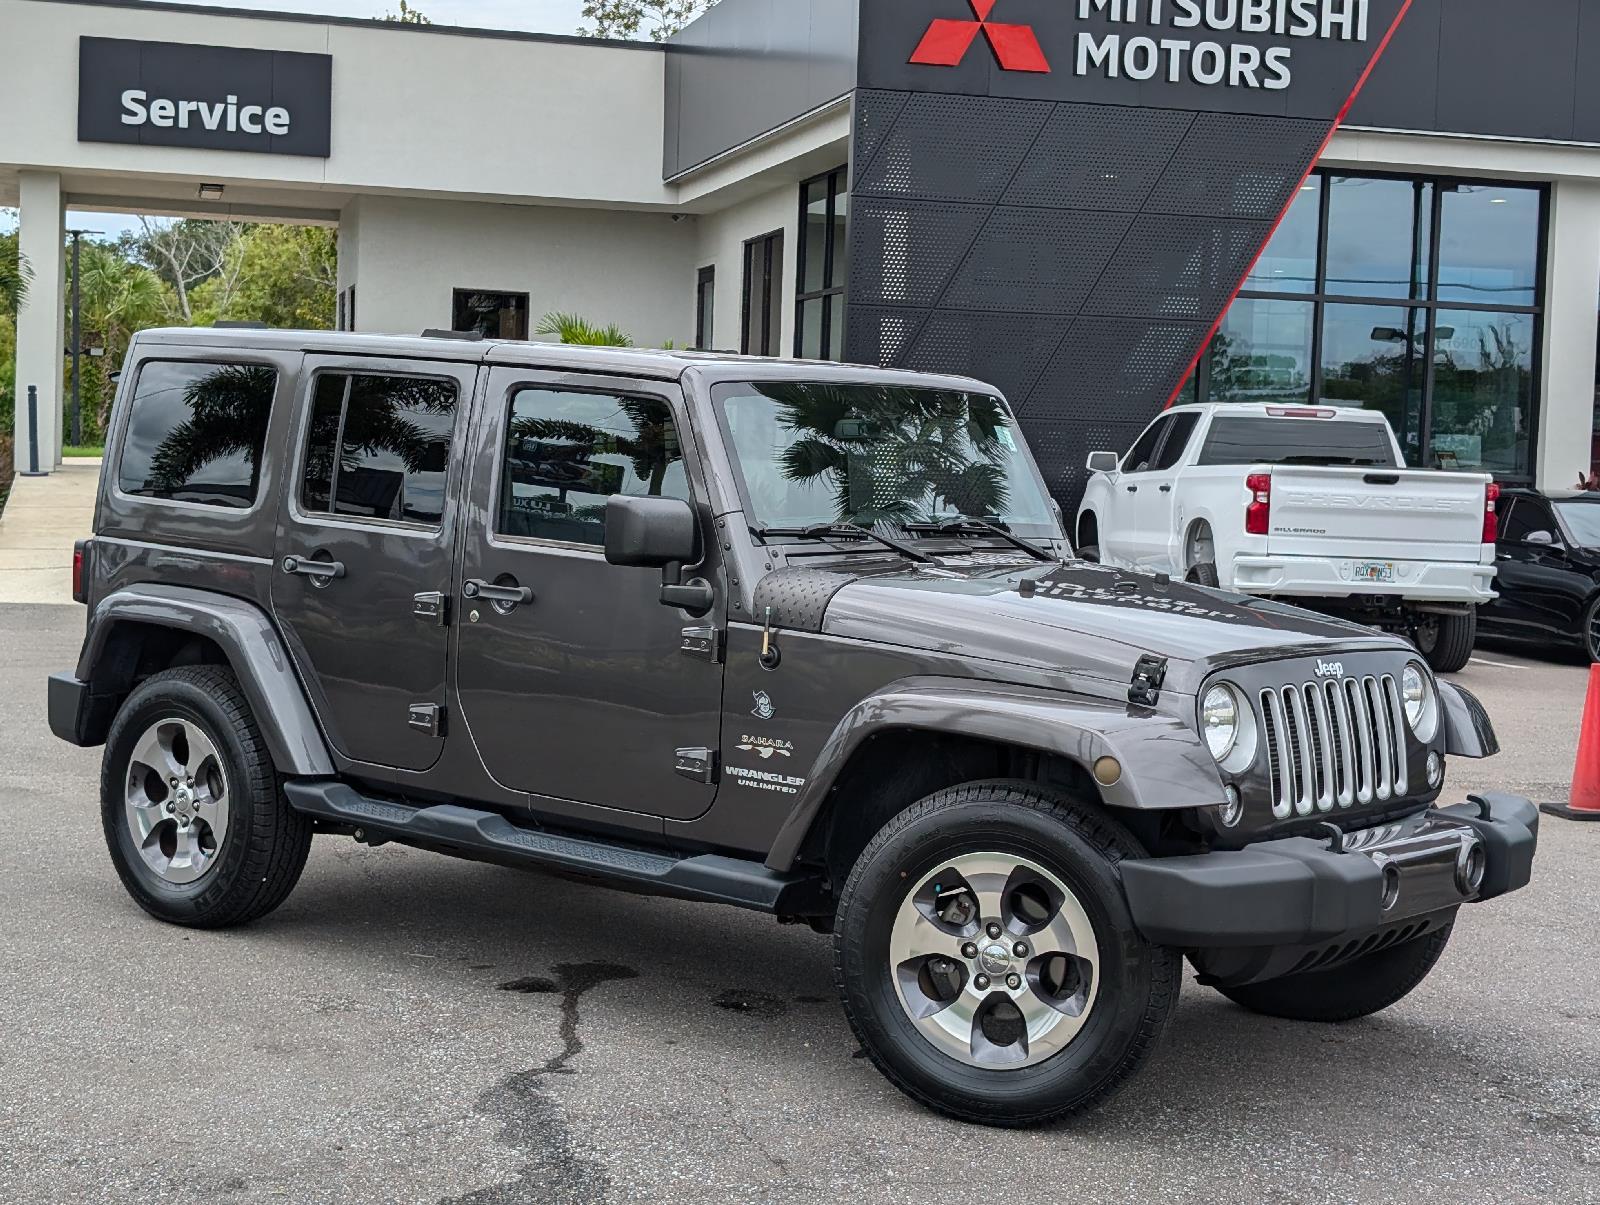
(947, 41)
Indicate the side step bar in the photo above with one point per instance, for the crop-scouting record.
(490, 837)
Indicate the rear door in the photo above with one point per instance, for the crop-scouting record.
(364, 551)
(582, 688)
(1540, 591)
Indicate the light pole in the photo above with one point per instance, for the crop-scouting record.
(77, 338)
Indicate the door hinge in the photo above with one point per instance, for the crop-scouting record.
(698, 764)
(432, 606)
(426, 717)
(702, 643)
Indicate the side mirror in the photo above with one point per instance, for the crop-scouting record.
(1103, 462)
(1540, 539)
(658, 533)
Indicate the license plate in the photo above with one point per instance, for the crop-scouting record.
(1375, 571)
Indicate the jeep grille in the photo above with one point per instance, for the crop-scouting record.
(1333, 744)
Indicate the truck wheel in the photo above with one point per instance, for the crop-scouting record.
(1358, 988)
(1203, 574)
(1089, 552)
(1446, 641)
(987, 960)
(196, 825)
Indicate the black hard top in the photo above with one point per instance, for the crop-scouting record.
(710, 367)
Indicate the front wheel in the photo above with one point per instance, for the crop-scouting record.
(1358, 988)
(1446, 641)
(1591, 632)
(987, 960)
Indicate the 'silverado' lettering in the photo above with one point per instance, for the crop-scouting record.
(138, 109)
(1236, 65)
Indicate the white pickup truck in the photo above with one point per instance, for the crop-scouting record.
(1305, 503)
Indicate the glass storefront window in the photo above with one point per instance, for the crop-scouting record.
(1483, 392)
(1378, 237)
(1262, 352)
(1289, 264)
(1488, 244)
(1373, 356)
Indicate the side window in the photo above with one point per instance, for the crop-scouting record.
(1524, 518)
(566, 453)
(1178, 433)
(196, 432)
(1144, 450)
(379, 447)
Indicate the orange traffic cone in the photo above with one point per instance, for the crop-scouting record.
(1585, 803)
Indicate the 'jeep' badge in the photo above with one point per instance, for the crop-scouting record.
(1330, 669)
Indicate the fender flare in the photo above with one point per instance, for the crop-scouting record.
(1165, 765)
(1468, 731)
(251, 644)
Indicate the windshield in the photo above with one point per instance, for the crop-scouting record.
(1583, 522)
(815, 452)
(1262, 439)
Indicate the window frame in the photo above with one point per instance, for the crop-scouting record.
(1429, 302)
(705, 323)
(245, 360)
(837, 183)
(1162, 420)
(770, 339)
(455, 296)
(329, 518)
(495, 538)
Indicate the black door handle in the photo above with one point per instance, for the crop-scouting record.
(1133, 489)
(1166, 489)
(476, 587)
(320, 572)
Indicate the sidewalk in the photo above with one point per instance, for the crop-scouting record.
(42, 519)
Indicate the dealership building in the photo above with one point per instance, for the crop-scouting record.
(1098, 205)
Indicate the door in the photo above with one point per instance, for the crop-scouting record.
(1540, 592)
(1119, 535)
(1154, 520)
(364, 552)
(568, 669)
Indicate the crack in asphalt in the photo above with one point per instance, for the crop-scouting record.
(531, 1119)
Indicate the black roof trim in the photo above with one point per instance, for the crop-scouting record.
(256, 14)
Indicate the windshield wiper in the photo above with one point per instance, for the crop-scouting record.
(993, 527)
(849, 531)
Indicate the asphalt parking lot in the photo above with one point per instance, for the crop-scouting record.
(413, 1029)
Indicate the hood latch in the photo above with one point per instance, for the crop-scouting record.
(1149, 672)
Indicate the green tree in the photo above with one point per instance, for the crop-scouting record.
(658, 19)
(14, 274)
(282, 276)
(575, 329)
(185, 253)
(407, 15)
(120, 298)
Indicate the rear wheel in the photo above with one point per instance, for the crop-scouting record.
(987, 961)
(1591, 632)
(196, 825)
(1203, 574)
(1446, 641)
(1358, 988)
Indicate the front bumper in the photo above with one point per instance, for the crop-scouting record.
(1334, 577)
(1294, 895)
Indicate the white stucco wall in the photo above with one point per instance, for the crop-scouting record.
(632, 269)
(720, 243)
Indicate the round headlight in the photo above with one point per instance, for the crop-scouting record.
(1219, 721)
(1421, 704)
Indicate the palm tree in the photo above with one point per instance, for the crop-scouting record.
(119, 298)
(575, 329)
(14, 274)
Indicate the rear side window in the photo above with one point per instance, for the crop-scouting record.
(1261, 439)
(196, 432)
(379, 447)
(566, 453)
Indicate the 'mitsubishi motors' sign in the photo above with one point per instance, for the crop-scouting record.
(1169, 38)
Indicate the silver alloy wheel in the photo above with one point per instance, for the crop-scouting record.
(1593, 634)
(994, 960)
(177, 800)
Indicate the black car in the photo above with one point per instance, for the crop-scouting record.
(1549, 581)
(803, 638)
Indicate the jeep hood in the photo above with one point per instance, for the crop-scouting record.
(1077, 617)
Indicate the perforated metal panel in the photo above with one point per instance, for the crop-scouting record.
(903, 252)
(1007, 350)
(874, 114)
(1237, 166)
(1036, 260)
(1171, 267)
(983, 141)
(880, 335)
(1098, 157)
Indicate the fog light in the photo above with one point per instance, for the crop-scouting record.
(1107, 771)
(1391, 887)
(1231, 812)
(1470, 866)
(1435, 771)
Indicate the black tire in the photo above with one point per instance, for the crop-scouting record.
(1446, 641)
(1591, 632)
(1203, 574)
(1358, 988)
(1137, 982)
(1089, 552)
(264, 846)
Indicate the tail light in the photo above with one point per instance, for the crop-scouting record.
(1258, 515)
(1491, 518)
(80, 587)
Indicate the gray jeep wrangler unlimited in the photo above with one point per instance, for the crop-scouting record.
(803, 638)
